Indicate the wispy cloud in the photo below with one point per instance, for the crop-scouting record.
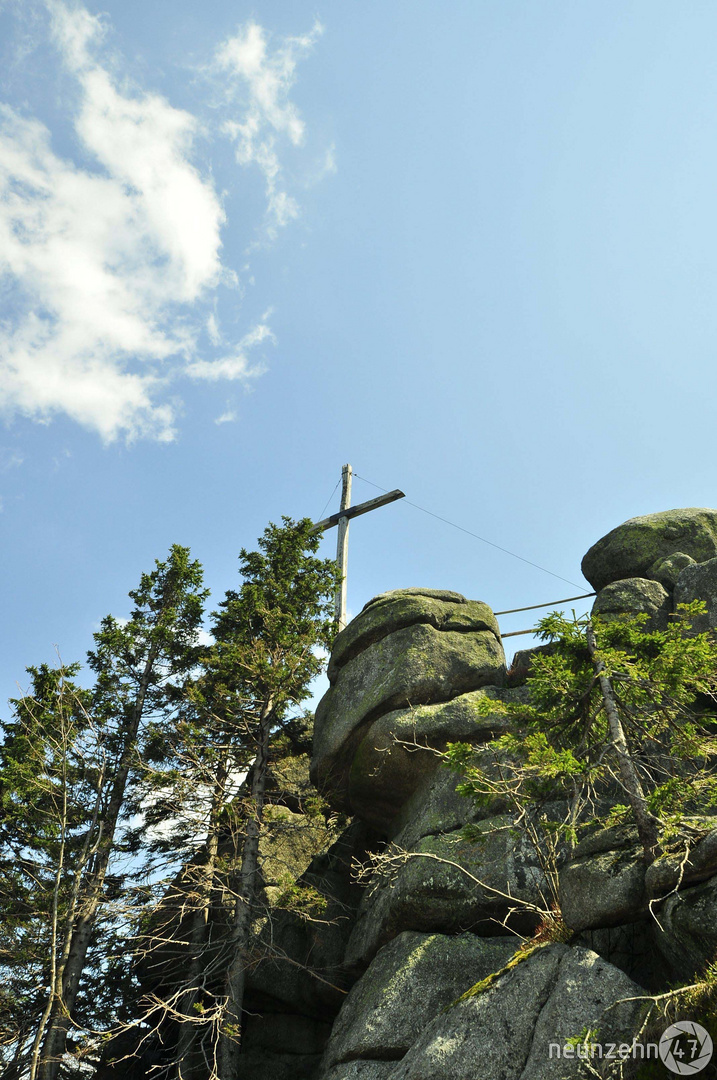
(227, 417)
(237, 365)
(10, 459)
(110, 267)
(262, 80)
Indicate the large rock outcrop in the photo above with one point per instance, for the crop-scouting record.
(447, 883)
(428, 976)
(406, 649)
(504, 1030)
(410, 981)
(640, 546)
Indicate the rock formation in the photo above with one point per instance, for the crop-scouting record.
(655, 546)
(410, 648)
(420, 975)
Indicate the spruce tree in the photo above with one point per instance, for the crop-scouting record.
(621, 725)
(239, 717)
(269, 636)
(80, 792)
(50, 793)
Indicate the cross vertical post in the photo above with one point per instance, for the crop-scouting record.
(342, 546)
(342, 519)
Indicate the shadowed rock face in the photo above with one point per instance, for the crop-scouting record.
(503, 1031)
(699, 582)
(361, 1070)
(449, 884)
(387, 768)
(410, 981)
(604, 882)
(302, 963)
(687, 931)
(406, 649)
(640, 546)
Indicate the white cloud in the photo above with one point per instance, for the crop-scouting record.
(98, 259)
(75, 30)
(213, 329)
(237, 365)
(264, 79)
(109, 266)
(227, 417)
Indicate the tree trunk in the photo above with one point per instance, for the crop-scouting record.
(647, 823)
(55, 951)
(198, 934)
(55, 1040)
(230, 1030)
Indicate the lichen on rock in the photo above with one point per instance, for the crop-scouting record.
(635, 596)
(418, 669)
(633, 548)
(505, 1033)
(408, 983)
(405, 650)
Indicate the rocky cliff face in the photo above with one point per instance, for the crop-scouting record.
(418, 976)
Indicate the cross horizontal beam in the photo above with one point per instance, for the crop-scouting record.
(356, 511)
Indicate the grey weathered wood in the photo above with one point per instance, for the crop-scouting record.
(648, 826)
(356, 511)
(342, 545)
(342, 519)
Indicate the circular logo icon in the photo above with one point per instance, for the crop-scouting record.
(685, 1048)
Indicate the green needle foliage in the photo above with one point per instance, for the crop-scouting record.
(48, 798)
(218, 792)
(271, 639)
(68, 764)
(654, 765)
(132, 815)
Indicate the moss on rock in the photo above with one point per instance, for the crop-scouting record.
(632, 549)
(413, 666)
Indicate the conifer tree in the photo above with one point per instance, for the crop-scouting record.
(82, 789)
(50, 785)
(621, 725)
(238, 712)
(185, 738)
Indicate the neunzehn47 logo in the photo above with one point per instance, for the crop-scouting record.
(685, 1049)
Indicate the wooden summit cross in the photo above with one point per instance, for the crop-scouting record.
(342, 519)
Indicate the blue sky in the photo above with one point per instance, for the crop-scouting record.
(468, 247)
